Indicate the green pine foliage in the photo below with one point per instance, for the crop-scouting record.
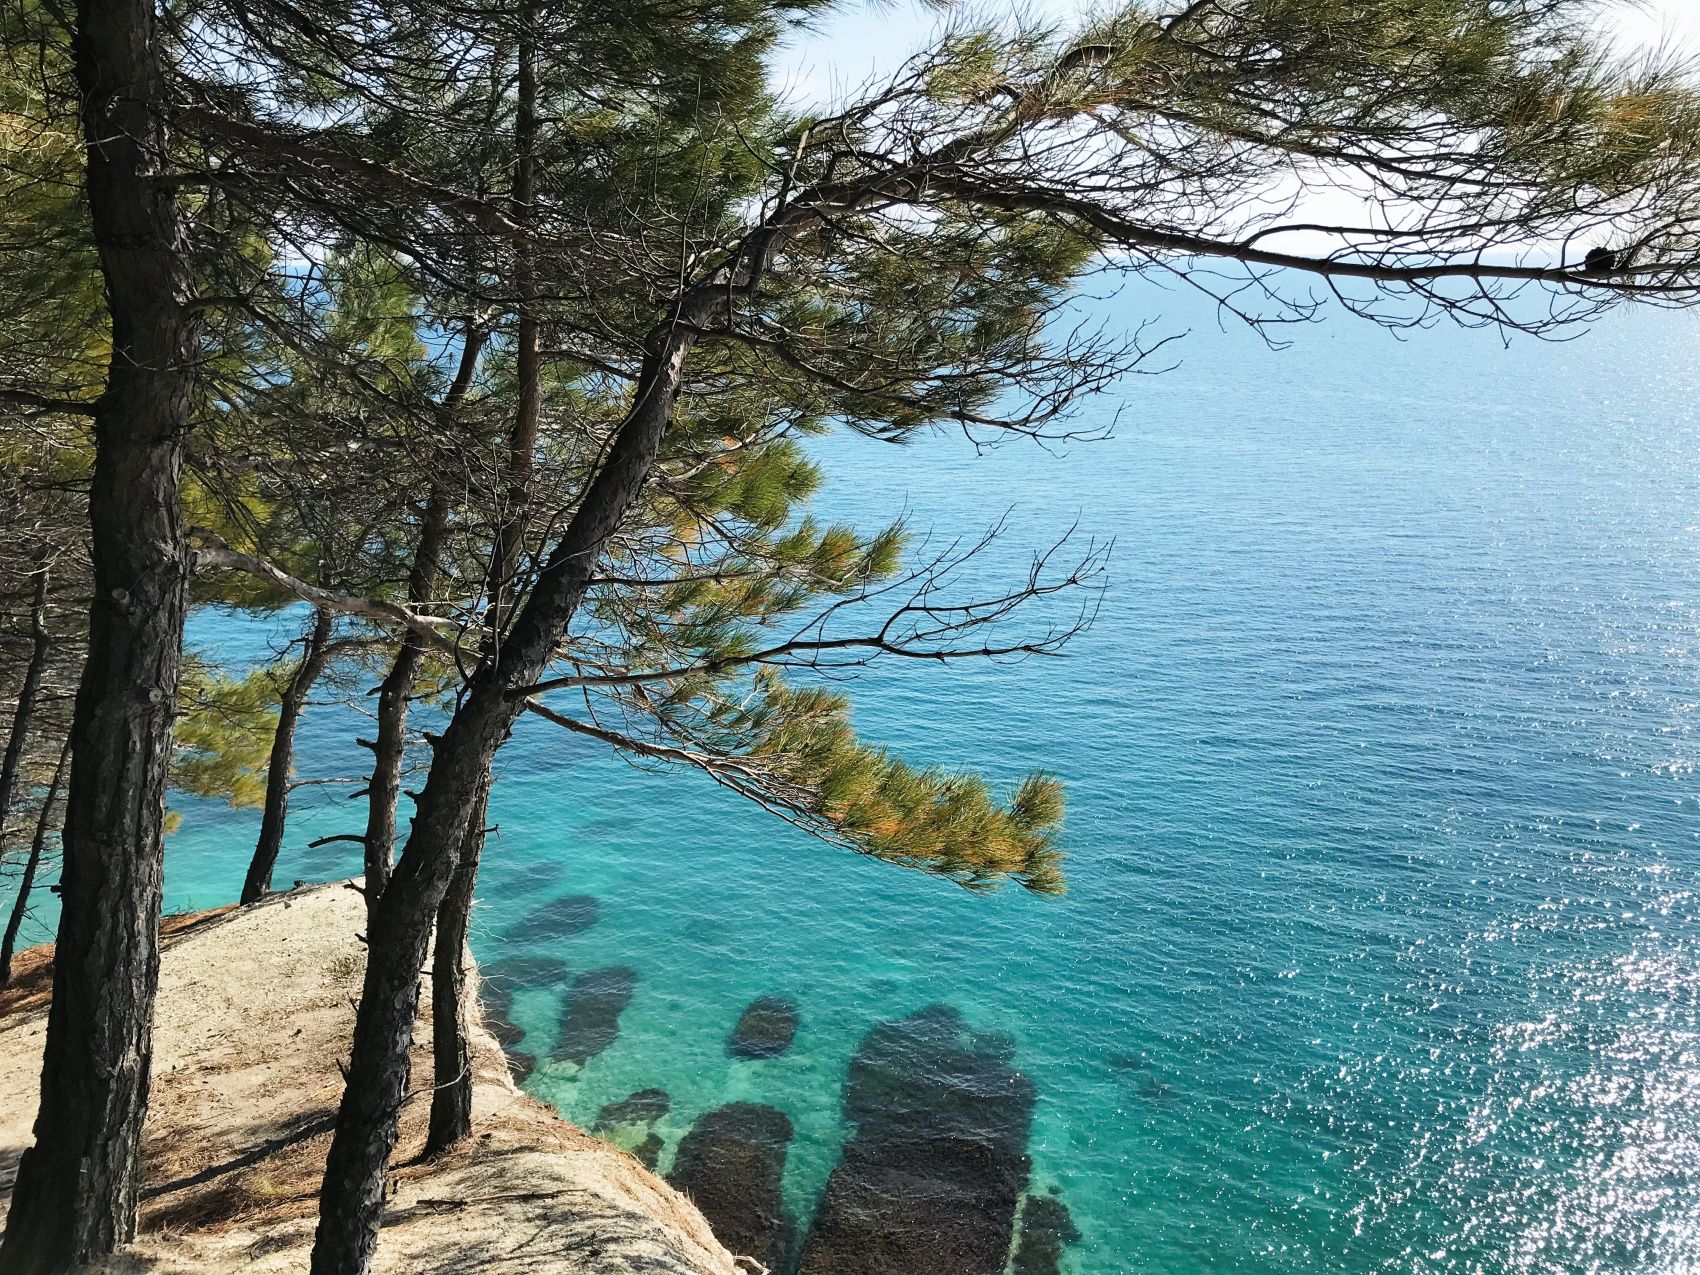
(54, 340)
(947, 823)
(348, 258)
(738, 563)
(224, 731)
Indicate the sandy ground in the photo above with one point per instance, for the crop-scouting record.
(255, 1009)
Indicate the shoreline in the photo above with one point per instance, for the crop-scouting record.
(255, 1010)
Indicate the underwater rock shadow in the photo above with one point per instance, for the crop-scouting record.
(495, 1011)
(590, 1017)
(630, 1124)
(557, 919)
(535, 874)
(496, 1008)
(732, 1165)
(1046, 1231)
(930, 1180)
(765, 1029)
(646, 1106)
(523, 972)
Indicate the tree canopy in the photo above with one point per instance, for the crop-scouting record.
(497, 333)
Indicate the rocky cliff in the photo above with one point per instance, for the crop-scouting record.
(255, 1010)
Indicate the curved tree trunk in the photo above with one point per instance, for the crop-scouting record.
(451, 1051)
(451, 1095)
(282, 761)
(351, 1198)
(74, 1200)
(27, 691)
(398, 933)
(389, 750)
(32, 865)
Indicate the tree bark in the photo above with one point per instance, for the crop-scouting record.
(74, 1200)
(451, 1095)
(32, 865)
(281, 764)
(27, 691)
(389, 750)
(451, 1050)
(351, 1198)
(528, 364)
(398, 932)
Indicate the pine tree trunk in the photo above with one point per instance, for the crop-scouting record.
(528, 362)
(282, 762)
(398, 933)
(74, 1199)
(351, 1197)
(31, 686)
(389, 751)
(32, 865)
(451, 1095)
(451, 1049)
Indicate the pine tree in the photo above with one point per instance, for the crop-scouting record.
(650, 283)
(74, 1199)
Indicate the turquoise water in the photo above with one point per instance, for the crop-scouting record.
(1382, 945)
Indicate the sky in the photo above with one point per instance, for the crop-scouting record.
(864, 42)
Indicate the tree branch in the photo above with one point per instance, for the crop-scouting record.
(218, 555)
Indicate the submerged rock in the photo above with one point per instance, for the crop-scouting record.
(520, 1065)
(590, 1020)
(765, 1028)
(648, 1152)
(507, 1032)
(535, 874)
(1046, 1230)
(646, 1106)
(496, 1007)
(731, 1164)
(929, 1182)
(556, 919)
(496, 1000)
(629, 1124)
(524, 972)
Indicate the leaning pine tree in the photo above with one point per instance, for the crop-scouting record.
(901, 264)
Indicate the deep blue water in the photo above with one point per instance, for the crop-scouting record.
(1382, 945)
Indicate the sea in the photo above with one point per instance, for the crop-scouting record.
(1381, 944)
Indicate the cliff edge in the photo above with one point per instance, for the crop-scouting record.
(255, 1011)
